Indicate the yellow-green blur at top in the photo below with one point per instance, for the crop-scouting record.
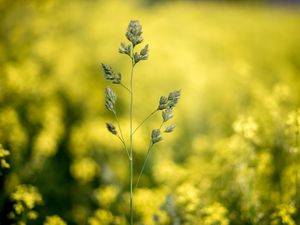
(233, 157)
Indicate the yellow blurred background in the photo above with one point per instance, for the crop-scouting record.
(234, 155)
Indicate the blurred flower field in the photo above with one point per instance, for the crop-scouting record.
(234, 155)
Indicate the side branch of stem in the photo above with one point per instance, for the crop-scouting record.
(121, 133)
(144, 164)
(124, 144)
(125, 87)
(148, 117)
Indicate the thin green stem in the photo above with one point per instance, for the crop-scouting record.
(131, 143)
(118, 122)
(125, 87)
(125, 147)
(297, 188)
(161, 125)
(122, 139)
(150, 115)
(144, 165)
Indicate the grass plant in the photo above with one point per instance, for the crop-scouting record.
(166, 103)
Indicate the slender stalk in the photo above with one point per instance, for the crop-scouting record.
(297, 189)
(120, 129)
(131, 147)
(121, 137)
(150, 115)
(125, 87)
(162, 123)
(133, 34)
(125, 147)
(144, 165)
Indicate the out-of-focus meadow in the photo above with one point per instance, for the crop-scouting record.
(234, 155)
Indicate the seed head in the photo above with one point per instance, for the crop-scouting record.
(170, 128)
(109, 74)
(155, 136)
(125, 49)
(163, 103)
(111, 128)
(136, 57)
(167, 114)
(173, 98)
(143, 55)
(110, 99)
(134, 32)
(118, 78)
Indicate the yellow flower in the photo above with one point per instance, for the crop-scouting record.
(18, 207)
(215, 214)
(84, 169)
(101, 217)
(3, 152)
(147, 204)
(188, 197)
(27, 194)
(54, 220)
(246, 126)
(284, 214)
(4, 164)
(32, 215)
(106, 195)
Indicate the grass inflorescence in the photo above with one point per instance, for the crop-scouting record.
(166, 103)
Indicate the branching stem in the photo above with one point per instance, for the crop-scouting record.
(125, 87)
(121, 137)
(144, 165)
(125, 147)
(120, 129)
(148, 117)
(162, 123)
